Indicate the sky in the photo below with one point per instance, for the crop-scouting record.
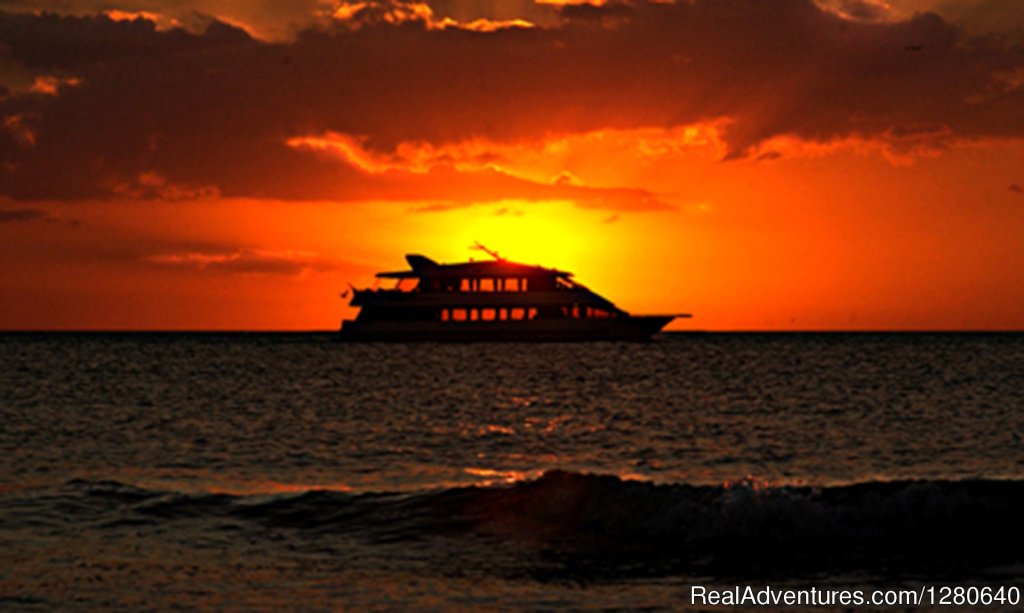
(761, 164)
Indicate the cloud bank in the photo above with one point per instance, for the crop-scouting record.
(133, 107)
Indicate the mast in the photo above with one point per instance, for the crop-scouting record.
(494, 254)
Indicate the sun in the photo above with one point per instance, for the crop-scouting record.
(554, 234)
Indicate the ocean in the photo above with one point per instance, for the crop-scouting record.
(289, 471)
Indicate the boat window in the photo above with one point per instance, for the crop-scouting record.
(488, 314)
(546, 282)
(502, 314)
(511, 285)
(522, 284)
(445, 315)
(486, 285)
(531, 314)
(474, 314)
(517, 313)
(458, 314)
(464, 285)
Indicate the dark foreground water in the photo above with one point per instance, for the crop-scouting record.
(257, 471)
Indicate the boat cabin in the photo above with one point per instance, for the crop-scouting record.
(480, 291)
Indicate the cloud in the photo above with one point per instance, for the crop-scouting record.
(440, 207)
(51, 85)
(975, 16)
(444, 207)
(417, 157)
(1017, 189)
(249, 261)
(269, 20)
(863, 10)
(445, 188)
(23, 215)
(219, 109)
(457, 175)
(154, 186)
(277, 21)
(20, 215)
(981, 15)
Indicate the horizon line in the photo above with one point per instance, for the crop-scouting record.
(678, 332)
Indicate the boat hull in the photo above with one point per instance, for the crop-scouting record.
(633, 328)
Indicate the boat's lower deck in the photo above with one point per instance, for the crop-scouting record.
(557, 330)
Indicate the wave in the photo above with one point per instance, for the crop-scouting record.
(931, 526)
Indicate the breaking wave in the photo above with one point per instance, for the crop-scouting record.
(929, 526)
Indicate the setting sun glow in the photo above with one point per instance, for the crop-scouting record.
(739, 175)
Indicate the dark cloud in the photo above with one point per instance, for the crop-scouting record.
(439, 207)
(21, 215)
(1017, 189)
(269, 19)
(984, 15)
(212, 112)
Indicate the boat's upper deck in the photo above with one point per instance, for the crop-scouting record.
(499, 282)
(423, 267)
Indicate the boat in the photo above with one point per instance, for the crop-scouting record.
(490, 300)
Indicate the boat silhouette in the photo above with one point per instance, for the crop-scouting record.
(494, 300)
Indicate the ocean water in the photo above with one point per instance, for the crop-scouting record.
(268, 471)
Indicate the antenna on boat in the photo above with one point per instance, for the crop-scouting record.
(494, 254)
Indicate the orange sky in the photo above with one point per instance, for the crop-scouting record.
(762, 165)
